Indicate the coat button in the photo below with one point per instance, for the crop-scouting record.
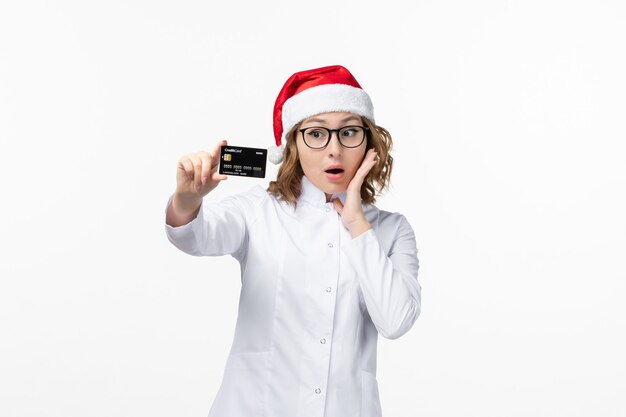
(327, 209)
(317, 390)
(323, 341)
(330, 245)
(328, 289)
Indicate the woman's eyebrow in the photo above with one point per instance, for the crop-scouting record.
(342, 121)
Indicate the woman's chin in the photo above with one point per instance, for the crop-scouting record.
(334, 188)
(329, 186)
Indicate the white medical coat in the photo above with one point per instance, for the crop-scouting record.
(313, 301)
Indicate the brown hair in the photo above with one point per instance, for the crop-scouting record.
(289, 177)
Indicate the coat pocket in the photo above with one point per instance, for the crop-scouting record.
(242, 390)
(370, 398)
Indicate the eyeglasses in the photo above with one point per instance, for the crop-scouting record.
(317, 137)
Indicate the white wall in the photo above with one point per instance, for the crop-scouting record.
(508, 120)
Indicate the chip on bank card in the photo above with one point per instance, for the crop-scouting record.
(245, 162)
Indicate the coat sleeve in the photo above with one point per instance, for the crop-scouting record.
(220, 228)
(389, 283)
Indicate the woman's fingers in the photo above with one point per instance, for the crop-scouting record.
(216, 176)
(215, 160)
(368, 163)
(197, 172)
(205, 158)
(215, 154)
(187, 167)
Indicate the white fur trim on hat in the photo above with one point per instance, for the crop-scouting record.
(325, 98)
(275, 153)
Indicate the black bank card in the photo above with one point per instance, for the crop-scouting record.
(245, 162)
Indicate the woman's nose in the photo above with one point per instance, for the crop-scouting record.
(334, 146)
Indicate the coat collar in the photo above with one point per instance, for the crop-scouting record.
(314, 196)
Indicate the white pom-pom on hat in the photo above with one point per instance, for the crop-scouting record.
(275, 154)
(315, 91)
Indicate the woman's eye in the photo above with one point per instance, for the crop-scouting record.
(349, 132)
(316, 134)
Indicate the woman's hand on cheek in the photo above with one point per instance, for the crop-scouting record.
(351, 213)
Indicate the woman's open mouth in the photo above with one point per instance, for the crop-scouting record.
(334, 174)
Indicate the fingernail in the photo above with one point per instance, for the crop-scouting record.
(197, 188)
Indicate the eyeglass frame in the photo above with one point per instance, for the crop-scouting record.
(366, 130)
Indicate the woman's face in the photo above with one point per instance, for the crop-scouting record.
(344, 162)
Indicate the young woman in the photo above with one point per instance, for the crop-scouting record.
(323, 271)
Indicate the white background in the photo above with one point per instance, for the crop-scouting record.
(508, 121)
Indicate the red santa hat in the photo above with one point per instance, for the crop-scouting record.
(315, 91)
